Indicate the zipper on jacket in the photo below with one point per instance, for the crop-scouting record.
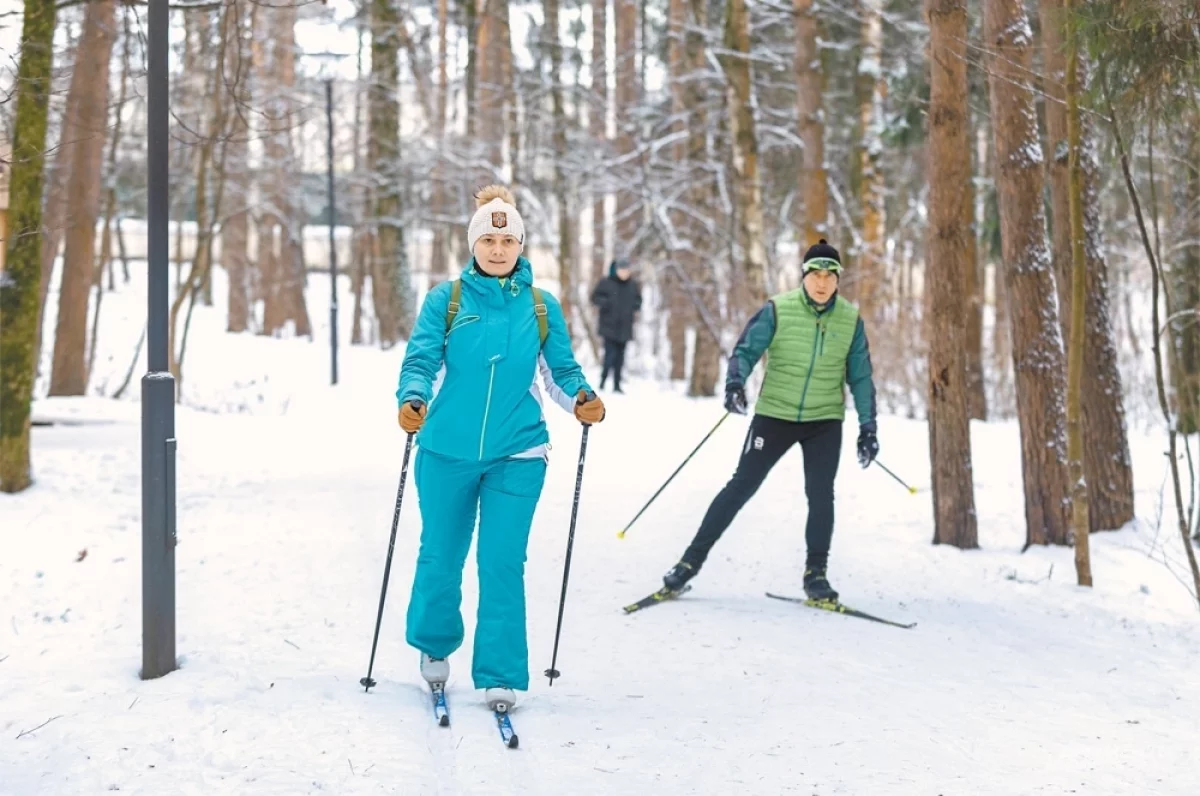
(486, 407)
(811, 362)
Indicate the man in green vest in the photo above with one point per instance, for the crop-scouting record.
(815, 344)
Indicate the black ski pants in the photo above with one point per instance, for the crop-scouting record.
(766, 442)
(614, 361)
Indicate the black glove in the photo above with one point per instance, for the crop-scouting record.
(735, 399)
(868, 444)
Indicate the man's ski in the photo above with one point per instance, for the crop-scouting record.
(441, 710)
(839, 608)
(659, 596)
(507, 733)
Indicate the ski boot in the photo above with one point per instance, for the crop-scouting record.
(500, 699)
(436, 671)
(679, 575)
(817, 587)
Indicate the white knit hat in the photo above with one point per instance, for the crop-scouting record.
(496, 214)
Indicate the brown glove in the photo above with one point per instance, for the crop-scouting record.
(589, 409)
(412, 416)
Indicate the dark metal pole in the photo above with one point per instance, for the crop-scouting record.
(333, 298)
(158, 385)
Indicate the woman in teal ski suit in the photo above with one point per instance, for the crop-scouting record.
(474, 359)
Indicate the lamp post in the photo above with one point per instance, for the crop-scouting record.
(158, 385)
(333, 293)
(326, 74)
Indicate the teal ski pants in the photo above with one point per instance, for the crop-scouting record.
(452, 492)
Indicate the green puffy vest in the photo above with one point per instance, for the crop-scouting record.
(806, 360)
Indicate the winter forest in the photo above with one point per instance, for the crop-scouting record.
(1013, 186)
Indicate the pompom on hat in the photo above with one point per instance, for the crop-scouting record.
(496, 214)
(822, 255)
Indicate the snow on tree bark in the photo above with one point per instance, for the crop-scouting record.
(1107, 465)
(954, 515)
(1037, 346)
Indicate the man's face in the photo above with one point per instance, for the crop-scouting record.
(624, 273)
(820, 284)
(497, 254)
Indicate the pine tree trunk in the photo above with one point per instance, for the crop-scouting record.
(680, 312)
(872, 91)
(597, 122)
(439, 261)
(566, 257)
(235, 230)
(812, 190)
(68, 375)
(1107, 464)
(54, 212)
(706, 354)
(949, 242)
(750, 256)
(626, 98)
(973, 290)
(1037, 346)
(1186, 329)
(19, 287)
(389, 272)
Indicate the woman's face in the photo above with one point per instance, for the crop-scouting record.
(497, 254)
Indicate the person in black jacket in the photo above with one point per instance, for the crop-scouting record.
(619, 298)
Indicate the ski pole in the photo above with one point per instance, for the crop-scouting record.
(552, 672)
(621, 533)
(367, 682)
(912, 489)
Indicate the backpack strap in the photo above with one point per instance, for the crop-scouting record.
(539, 309)
(452, 307)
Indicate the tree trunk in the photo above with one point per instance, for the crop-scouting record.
(439, 261)
(566, 257)
(812, 190)
(1185, 329)
(68, 375)
(1079, 485)
(750, 282)
(872, 93)
(947, 259)
(54, 210)
(389, 272)
(598, 127)
(1037, 346)
(492, 39)
(674, 299)
(973, 290)
(1107, 465)
(235, 229)
(19, 286)
(706, 354)
(626, 97)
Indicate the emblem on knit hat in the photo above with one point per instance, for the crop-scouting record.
(499, 219)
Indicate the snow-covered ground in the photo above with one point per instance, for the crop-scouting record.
(1015, 681)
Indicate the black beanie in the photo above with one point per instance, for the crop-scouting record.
(822, 251)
